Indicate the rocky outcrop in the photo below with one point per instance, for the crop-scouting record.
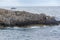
(21, 18)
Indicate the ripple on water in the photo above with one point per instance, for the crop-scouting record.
(30, 33)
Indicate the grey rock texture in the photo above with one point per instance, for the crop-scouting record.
(20, 18)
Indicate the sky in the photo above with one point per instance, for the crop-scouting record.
(29, 3)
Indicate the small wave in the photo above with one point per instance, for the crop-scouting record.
(57, 18)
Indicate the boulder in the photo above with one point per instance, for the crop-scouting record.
(20, 18)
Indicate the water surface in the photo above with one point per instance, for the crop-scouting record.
(36, 32)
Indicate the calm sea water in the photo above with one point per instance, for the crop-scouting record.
(36, 32)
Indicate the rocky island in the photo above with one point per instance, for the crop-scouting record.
(22, 18)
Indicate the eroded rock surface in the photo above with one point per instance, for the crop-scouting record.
(20, 18)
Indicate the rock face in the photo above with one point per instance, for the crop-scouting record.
(21, 18)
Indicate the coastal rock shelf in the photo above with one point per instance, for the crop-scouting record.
(22, 18)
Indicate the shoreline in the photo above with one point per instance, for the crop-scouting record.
(23, 18)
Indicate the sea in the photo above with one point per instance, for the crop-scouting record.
(36, 32)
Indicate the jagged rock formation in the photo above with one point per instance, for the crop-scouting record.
(21, 18)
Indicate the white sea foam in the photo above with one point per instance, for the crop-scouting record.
(34, 33)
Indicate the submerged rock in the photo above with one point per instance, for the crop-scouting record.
(21, 18)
